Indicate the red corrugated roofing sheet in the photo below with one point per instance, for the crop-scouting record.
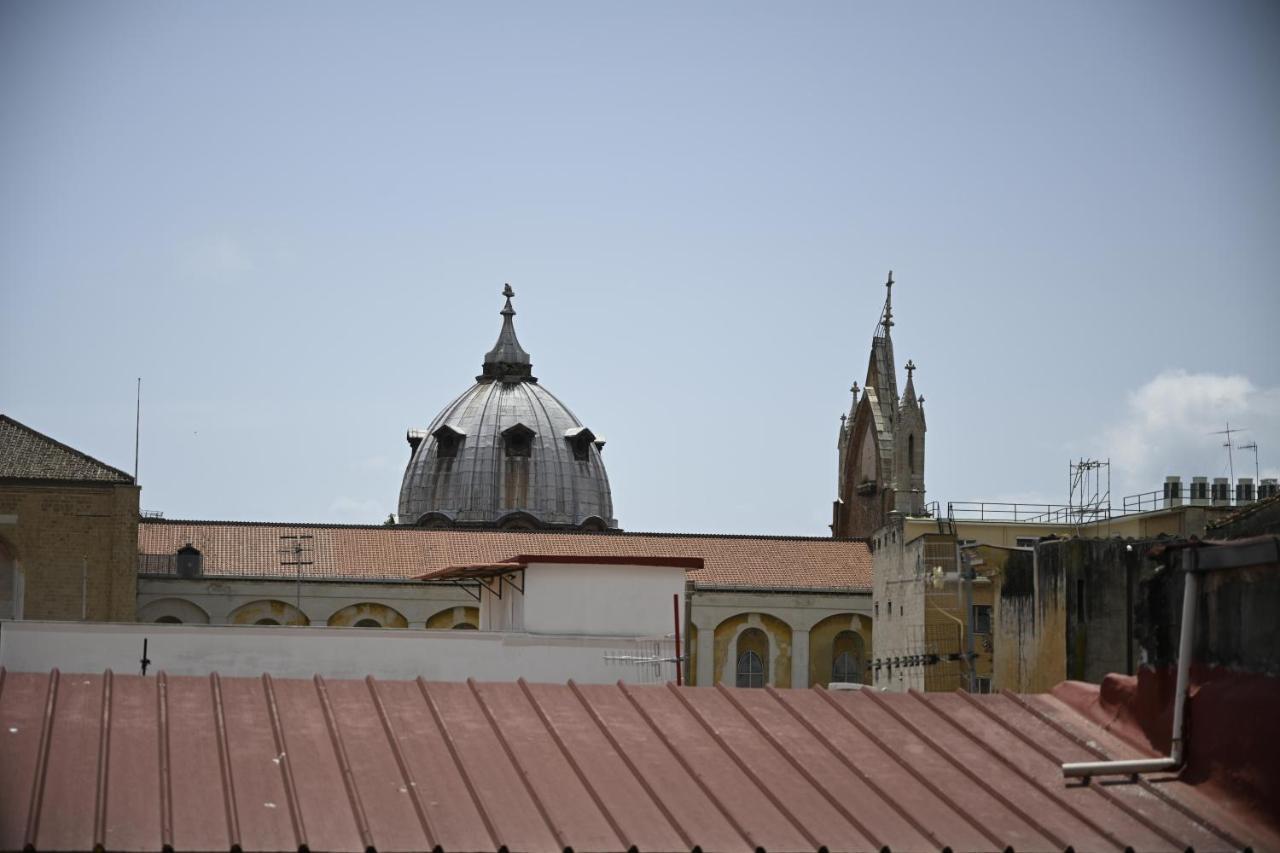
(132, 763)
(243, 549)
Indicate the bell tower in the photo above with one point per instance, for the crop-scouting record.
(881, 442)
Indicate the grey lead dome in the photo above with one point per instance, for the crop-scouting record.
(507, 453)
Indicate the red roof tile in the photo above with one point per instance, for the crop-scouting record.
(246, 549)
(195, 763)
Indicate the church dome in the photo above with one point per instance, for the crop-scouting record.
(507, 453)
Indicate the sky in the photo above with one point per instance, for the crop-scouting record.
(294, 221)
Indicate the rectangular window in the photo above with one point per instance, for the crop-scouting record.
(982, 685)
(1026, 541)
(890, 609)
(982, 618)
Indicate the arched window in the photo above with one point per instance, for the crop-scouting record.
(169, 620)
(368, 623)
(266, 622)
(847, 658)
(911, 453)
(753, 652)
(750, 670)
(464, 626)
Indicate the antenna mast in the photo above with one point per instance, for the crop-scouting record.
(1257, 474)
(137, 429)
(1231, 465)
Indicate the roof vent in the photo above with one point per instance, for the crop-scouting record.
(1173, 490)
(1268, 488)
(1221, 491)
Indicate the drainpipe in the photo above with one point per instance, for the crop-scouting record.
(1190, 592)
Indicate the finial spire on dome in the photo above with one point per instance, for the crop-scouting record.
(507, 361)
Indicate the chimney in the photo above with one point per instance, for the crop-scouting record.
(1244, 490)
(1199, 491)
(1172, 490)
(1221, 491)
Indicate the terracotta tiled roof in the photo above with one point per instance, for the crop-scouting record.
(30, 455)
(249, 549)
(128, 762)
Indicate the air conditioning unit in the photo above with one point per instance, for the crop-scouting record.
(1173, 491)
(1244, 490)
(1221, 491)
(1268, 488)
(1199, 491)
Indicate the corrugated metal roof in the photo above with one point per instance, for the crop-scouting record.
(127, 762)
(252, 549)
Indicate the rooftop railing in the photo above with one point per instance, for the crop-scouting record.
(1026, 513)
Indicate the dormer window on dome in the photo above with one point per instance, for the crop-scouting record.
(580, 440)
(448, 440)
(415, 437)
(517, 441)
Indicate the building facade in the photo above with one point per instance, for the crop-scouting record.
(781, 611)
(68, 531)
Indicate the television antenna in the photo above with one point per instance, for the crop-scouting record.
(1231, 465)
(1257, 475)
(1089, 482)
(654, 658)
(296, 546)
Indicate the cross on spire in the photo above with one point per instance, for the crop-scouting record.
(887, 320)
(911, 368)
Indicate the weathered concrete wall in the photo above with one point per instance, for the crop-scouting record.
(1098, 577)
(1237, 621)
(298, 652)
(1014, 620)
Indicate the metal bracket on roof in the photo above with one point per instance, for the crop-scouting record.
(498, 592)
(465, 587)
(518, 587)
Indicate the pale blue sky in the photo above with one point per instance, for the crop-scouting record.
(293, 220)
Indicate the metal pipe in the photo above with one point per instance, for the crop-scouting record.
(1190, 592)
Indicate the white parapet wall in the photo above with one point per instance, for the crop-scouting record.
(297, 652)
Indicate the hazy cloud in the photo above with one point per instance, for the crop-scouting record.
(1170, 425)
